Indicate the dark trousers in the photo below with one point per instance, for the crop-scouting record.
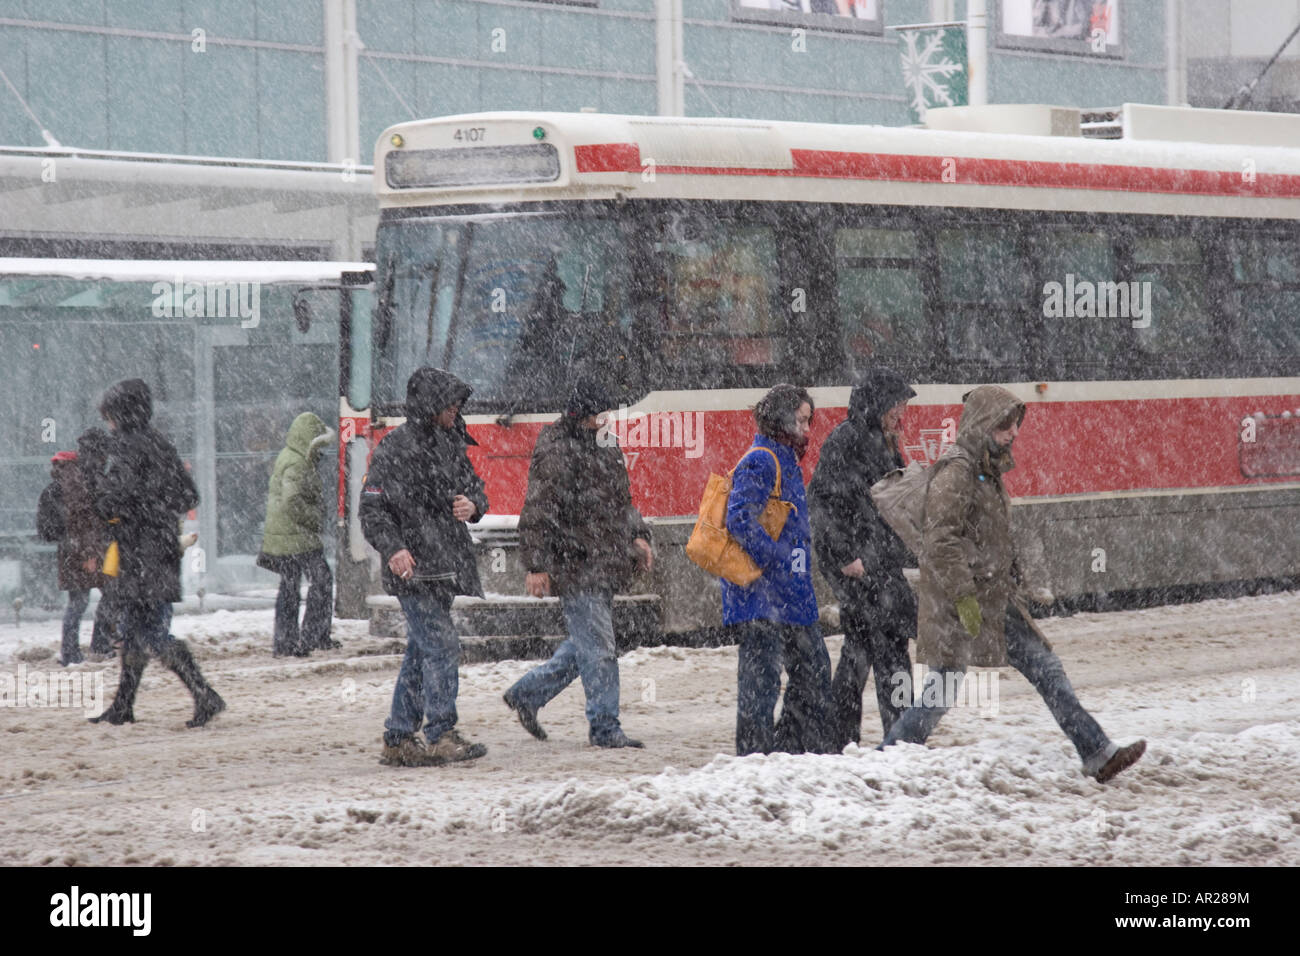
(871, 640)
(101, 634)
(144, 629)
(315, 630)
(764, 647)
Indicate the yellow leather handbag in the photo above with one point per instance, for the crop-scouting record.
(713, 548)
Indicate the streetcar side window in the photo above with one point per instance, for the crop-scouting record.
(983, 288)
(1265, 296)
(722, 323)
(1173, 296)
(1070, 264)
(880, 298)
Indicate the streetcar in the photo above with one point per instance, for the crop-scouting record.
(1132, 275)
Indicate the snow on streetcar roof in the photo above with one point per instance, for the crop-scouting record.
(210, 270)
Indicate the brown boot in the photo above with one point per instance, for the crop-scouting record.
(1121, 760)
(411, 752)
(452, 747)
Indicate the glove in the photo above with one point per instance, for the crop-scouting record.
(968, 609)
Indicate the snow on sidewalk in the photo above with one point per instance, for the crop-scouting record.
(289, 774)
(996, 800)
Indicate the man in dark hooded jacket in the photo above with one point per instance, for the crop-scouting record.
(417, 495)
(861, 557)
(580, 537)
(142, 493)
(970, 609)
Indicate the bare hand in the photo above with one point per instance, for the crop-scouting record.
(402, 564)
(462, 509)
(646, 560)
(537, 584)
(854, 570)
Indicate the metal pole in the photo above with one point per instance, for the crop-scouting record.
(1175, 62)
(665, 61)
(977, 52)
(679, 60)
(342, 116)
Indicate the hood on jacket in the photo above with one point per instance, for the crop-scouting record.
(307, 434)
(878, 389)
(92, 450)
(588, 397)
(987, 407)
(430, 391)
(129, 404)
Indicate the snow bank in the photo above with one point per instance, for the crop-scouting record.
(1003, 800)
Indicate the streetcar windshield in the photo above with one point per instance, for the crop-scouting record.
(516, 306)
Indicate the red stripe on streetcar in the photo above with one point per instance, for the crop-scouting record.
(897, 167)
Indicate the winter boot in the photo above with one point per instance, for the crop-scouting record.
(122, 709)
(1121, 759)
(527, 716)
(177, 658)
(409, 752)
(452, 747)
(615, 740)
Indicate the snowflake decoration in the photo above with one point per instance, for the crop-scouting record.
(920, 70)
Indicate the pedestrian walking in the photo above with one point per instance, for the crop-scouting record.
(970, 610)
(861, 557)
(291, 541)
(143, 492)
(581, 539)
(775, 617)
(419, 492)
(66, 514)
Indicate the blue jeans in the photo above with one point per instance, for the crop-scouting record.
(803, 727)
(1040, 666)
(429, 679)
(588, 653)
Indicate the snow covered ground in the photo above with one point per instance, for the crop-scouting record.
(289, 774)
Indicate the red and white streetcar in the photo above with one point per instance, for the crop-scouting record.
(1133, 277)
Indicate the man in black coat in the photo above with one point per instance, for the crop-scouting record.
(860, 555)
(582, 539)
(417, 495)
(142, 492)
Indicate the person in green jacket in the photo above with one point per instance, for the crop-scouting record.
(291, 542)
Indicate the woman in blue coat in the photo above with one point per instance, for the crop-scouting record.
(776, 616)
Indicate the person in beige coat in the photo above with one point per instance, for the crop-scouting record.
(970, 611)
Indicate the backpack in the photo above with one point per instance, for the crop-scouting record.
(900, 499)
(712, 546)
